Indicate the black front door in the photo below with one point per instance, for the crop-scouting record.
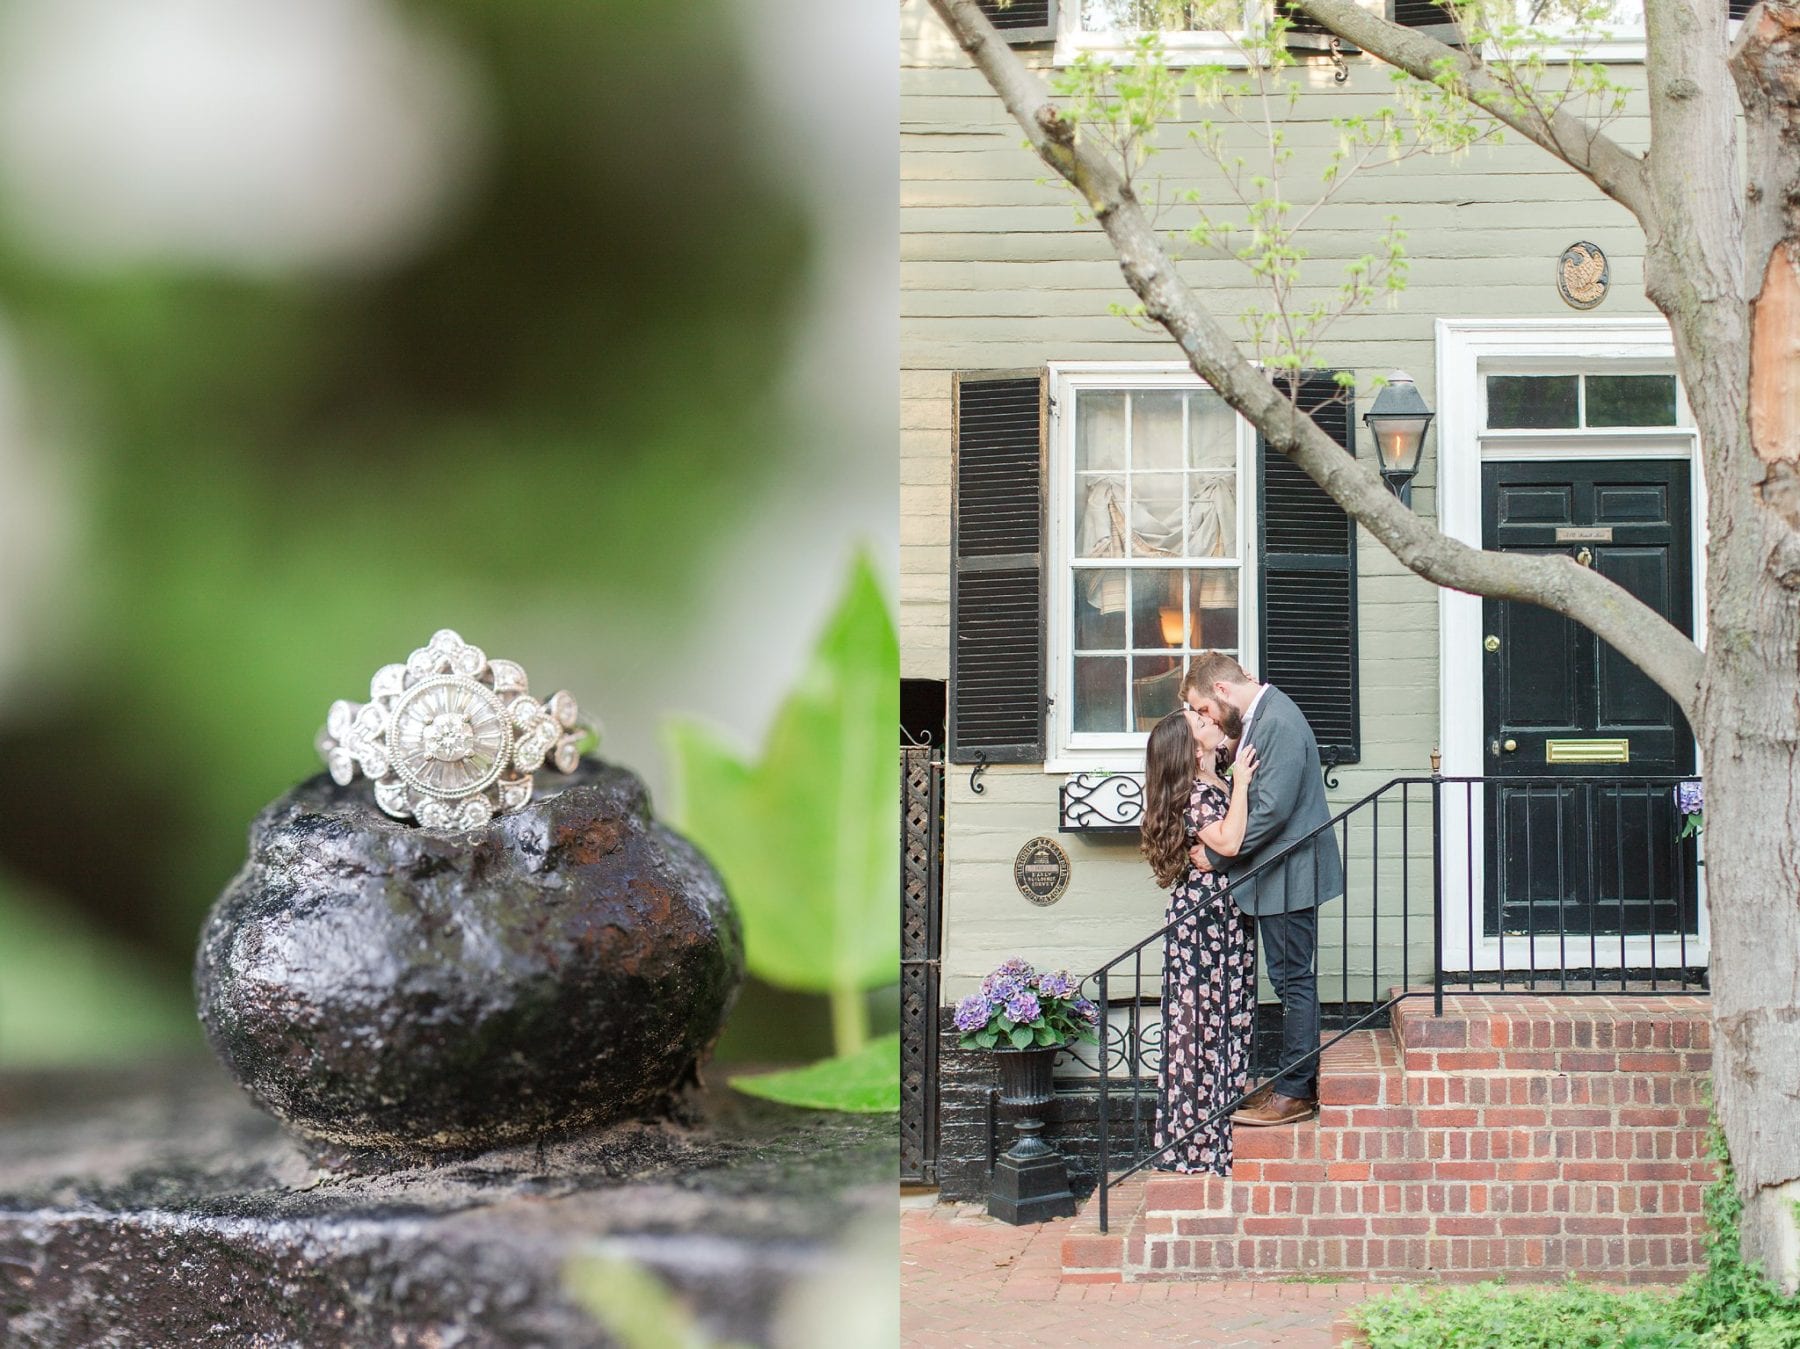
(1578, 847)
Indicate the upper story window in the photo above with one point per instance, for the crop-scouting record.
(1616, 34)
(1613, 31)
(1190, 32)
(1149, 503)
(1138, 16)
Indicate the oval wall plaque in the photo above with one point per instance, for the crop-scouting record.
(1041, 871)
(1582, 275)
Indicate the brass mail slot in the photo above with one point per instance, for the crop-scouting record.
(1584, 534)
(1587, 751)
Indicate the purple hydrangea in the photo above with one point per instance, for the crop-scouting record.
(1023, 1008)
(999, 987)
(972, 1013)
(1086, 1009)
(1009, 979)
(1057, 985)
(1690, 797)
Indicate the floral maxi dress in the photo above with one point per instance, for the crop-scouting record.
(1208, 1007)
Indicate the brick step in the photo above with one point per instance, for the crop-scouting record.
(1423, 1164)
(1092, 1256)
(1522, 1035)
(1365, 1068)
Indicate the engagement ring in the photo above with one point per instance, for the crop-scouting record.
(451, 738)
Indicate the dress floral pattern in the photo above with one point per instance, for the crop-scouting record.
(1208, 1007)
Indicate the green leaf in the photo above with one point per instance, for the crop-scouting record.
(866, 1082)
(1022, 1037)
(1046, 1036)
(806, 836)
(634, 1306)
(70, 994)
(987, 1039)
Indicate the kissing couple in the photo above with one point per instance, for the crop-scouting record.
(1206, 839)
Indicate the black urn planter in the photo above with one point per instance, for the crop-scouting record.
(1031, 1182)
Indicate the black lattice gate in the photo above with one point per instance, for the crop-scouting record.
(921, 875)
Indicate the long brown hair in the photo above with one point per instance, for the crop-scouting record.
(1169, 771)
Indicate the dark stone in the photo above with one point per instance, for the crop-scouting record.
(381, 986)
(156, 1207)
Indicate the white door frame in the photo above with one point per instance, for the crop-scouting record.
(1466, 350)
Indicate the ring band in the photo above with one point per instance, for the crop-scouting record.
(451, 738)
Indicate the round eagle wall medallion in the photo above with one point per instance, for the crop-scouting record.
(1582, 275)
(1041, 871)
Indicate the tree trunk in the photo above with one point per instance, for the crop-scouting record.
(1751, 699)
(1753, 894)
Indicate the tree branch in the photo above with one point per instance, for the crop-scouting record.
(1638, 632)
(1613, 169)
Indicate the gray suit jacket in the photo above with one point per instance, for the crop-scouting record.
(1287, 802)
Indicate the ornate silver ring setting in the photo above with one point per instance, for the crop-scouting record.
(451, 738)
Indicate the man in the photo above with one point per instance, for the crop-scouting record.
(1287, 804)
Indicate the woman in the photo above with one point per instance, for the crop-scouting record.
(1209, 955)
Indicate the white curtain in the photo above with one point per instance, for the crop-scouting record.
(1154, 530)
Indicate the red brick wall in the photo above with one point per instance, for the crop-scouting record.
(1531, 1137)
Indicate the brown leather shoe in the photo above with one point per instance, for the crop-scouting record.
(1256, 1098)
(1278, 1109)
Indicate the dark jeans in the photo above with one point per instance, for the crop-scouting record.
(1290, 941)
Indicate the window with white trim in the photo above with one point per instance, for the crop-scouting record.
(1149, 495)
(1190, 32)
(1617, 35)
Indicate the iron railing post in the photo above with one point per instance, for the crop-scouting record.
(1105, 1175)
(1375, 898)
(1437, 894)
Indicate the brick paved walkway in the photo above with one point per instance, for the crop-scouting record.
(967, 1280)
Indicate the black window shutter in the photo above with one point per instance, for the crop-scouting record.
(997, 572)
(1307, 581)
(1022, 21)
(1422, 14)
(1302, 21)
(1737, 9)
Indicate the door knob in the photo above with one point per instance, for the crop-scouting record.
(1509, 745)
(1492, 643)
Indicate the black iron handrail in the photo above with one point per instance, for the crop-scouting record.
(1675, 868)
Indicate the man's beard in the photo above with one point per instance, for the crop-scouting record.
(1231, 721)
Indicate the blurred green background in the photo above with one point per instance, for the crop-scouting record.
(325, 326)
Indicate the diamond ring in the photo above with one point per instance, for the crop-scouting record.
(451, 738)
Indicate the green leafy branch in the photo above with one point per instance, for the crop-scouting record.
(1513, 52)
(1248, 211)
